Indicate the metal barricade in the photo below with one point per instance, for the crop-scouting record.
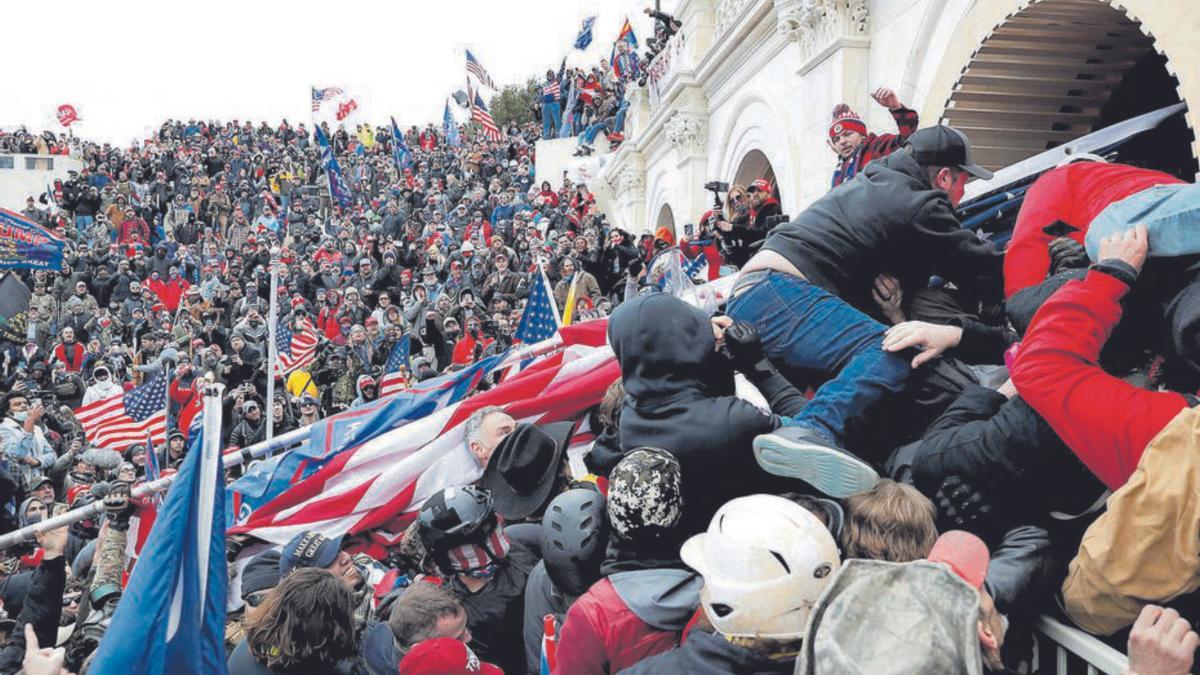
(1063, 650)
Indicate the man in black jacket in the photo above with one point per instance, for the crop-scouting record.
(799, 291)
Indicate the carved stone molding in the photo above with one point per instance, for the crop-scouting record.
(688, 132)
(728, 12)
(631, 182)
(817, 24)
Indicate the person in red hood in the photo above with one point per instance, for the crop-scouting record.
(471, 345)
(171, 290)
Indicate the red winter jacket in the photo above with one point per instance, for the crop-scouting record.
(1074, 194)
(1106, 421)
(602, 635)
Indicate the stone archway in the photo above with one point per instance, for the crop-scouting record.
(753, 166)
(1054, 70)
(666, 218)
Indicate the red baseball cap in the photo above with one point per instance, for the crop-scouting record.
(964, 553)
(760, 184)
(444, 656)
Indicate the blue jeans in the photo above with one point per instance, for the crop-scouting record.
(551, 119)
(807, 327)
(619, 124)
(1170, 213)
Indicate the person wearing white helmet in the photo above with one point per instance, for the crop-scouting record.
(765, 561)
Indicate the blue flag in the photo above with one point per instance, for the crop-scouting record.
(333, 435)
(585, 33)
(171, 618)
(26, 245)
(338, 188)
(450, 128)
(401, 155)
(540, 318)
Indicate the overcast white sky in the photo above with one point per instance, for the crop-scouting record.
(128, 65)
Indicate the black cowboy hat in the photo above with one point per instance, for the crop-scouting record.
(523, 473)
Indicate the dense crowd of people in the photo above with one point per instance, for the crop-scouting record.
(949, 439)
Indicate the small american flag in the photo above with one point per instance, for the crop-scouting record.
(540, 318)
(319, 96)
(474, 67)
(295, 350)
(120, 420)
(394, 379)
(479, 113)
(552, 89)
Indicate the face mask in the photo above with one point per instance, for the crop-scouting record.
(21, 416)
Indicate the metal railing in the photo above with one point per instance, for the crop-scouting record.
(1061, 649)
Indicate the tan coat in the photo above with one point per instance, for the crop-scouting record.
(1146, 547)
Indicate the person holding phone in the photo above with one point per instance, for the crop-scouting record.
(22, 439)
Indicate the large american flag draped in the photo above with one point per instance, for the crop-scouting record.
(120, 420)
(394, 379)
(295, 350)
(319, 96)
(381, 484)
(475, 68)
(540, 318)
(479, 113)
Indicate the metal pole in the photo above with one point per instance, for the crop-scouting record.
(272, 351)
(233, 459)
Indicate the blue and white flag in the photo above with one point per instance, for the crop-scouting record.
(26, 245)
(540, 319)
(401, 155)
(450, 128)
(338, 188)
(171, 618)
(585, 33)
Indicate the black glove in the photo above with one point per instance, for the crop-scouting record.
(118, 505)
(743, 346)
(960, 506)
(1067, 254)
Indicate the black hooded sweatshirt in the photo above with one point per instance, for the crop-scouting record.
(679, 396)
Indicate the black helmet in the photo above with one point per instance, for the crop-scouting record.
(453, 517)
(574, 539)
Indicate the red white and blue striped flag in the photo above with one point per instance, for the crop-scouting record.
(380, 485)
(120, 420)
(474, 67)
(295, 350)
(479, 113)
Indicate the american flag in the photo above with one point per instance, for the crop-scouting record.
(540, 318)
(552, 89)
(479, 113)
(380, 485)
(394, 379)
(295, 350)
(319, 96)
(474, 67)
(120, 420)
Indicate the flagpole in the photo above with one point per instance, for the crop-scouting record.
(167, 359)
(272, 349)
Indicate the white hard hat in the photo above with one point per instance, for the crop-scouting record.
(765, 561)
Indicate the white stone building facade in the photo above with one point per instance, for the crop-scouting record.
(746, 88)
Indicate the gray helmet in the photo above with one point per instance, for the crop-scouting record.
(574, 539)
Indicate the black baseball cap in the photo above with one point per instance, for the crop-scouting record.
(945, 146)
